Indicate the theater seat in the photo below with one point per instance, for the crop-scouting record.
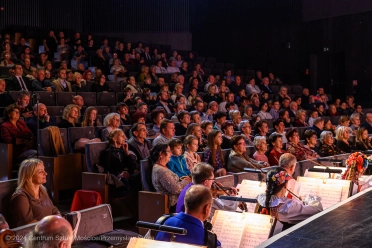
(85, 199)
(105, 99)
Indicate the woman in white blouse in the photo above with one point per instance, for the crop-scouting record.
(263, 111)
(252, 88)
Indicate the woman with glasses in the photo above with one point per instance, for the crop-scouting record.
(263, 111)
(100, 85)
(111, 122)
(342, 136)
(296, 148)
(245, 128)
(164, 180)
(238, 159)
(157, 115)
(328, 148)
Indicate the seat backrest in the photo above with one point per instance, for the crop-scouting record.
(22, 231)
(115, 86)
(146, 176)
(89, 98)
(225, 155)
(93, 153)
(250, 150)
(102, 110)
(55, 110)
(226, 181)
(64, 98)
(76, 133)
(45, 146)
(106, 98)
(7, 188)
(46, 98)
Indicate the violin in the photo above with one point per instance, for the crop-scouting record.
(218, 189)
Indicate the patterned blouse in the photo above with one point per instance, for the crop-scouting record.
(329, 150)
(207, 157)
(300, 151)
(167, 182)
(191, 159)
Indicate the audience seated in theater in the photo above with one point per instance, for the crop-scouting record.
(286, 210)
(280, 129)
(138, 143)
(310, 137)
(211, 81)
(329, 127)
(342, 136)
(293, 107)
(111, 122)
(42, 84)
(157, 115)
(282, 94)
(177, 108)
(100, 84)
(178, 92)
(350, 105)
(318, 126)
(5, 98)
(236, 118)
(213, 154)
(261, 148)
(30, 202)
(276, 142)
(70, 117)
(52, 231)
(167, 131)
(159, 67)
(79, 85)
(172, 68)
(23, 103)
(163, 101)
(15, 131)
(154, 78)
(343, 121)
(296, 148)
(184, 119)
(206, 127)
(238, 159)
(305, 98)
(61, 84)
(191, 145)
(252, 88)
(195, 117)
(198, 203)
(117, 160)
(90, 118)
(228, 132)
(177, 162)
(300, 119)
(312, 117)
(264, 86)
(212, 94)
(332, 110)
(144, 73)
(327, 147)
(45, 120)
(255, 103)
(362, 141)
(245, 128)
(199, 107)
(195, 130)
(310, 105)
(164, 180)
(320, 109)
(342, 110)
(274, 111)
(248, 111)
(237, 85)
(229, 98)
(18, 81)
(261, 128)
(79, 102)
(368, 123)
(263, 111)
(284, 115)
(359, 110)
(100, 61)
(184, 69)
(355, 122)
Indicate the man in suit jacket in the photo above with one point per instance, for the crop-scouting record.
(138, 143)
(264, 87)
(146, 56)
(18, 82)
(163, 102)
(61, 84)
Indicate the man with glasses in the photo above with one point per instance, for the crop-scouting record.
(167, 131)
(203, 174)
(138, 143)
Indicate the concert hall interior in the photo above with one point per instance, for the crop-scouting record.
(188, 123)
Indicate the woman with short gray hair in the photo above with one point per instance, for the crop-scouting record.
(328, 148)
(261, 148)
(245, 128)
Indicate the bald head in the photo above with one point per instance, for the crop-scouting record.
(288, 162)
(198, 202)
(52, 231)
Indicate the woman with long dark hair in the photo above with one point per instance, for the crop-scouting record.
(213, 154)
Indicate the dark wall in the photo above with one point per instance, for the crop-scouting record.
(266, 35)
(116, 16)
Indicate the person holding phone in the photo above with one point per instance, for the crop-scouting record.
(23, 102)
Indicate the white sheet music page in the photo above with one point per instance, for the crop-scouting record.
(251, 189)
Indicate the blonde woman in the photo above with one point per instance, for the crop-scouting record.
(342, 136)
(70, 117)
(111, 122)
(30, 202)
(79, 85)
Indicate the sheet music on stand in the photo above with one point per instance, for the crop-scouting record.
(251, 189)
(332, 191)
(149, 243)
(325, 175)
(241, 229)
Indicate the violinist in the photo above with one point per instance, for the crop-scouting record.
(285, 210)
(203, 174)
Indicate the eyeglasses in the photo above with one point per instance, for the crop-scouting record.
(247, 127)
